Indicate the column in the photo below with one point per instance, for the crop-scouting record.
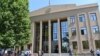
(98, 23)
(58, 35)
(90, 38)
(70, 34)
(98, 20)
(40, 47)
(78, 35)
(49, 33)
(32, 36)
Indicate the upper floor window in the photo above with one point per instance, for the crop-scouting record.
(73, 31)
(72, 19)
(83, 31)
(95, 29)
(82, 18)
(93, 16)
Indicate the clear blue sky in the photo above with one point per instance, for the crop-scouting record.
(36, 4)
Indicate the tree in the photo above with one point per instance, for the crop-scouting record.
(14, 23)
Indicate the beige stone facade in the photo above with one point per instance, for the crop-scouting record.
(85, 22)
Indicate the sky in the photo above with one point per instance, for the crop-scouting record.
(37, 4)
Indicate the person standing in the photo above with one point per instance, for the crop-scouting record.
(98, 52)
(27, 52)
(92, 52)
(40, 53)
(30, 53)
(70, 52)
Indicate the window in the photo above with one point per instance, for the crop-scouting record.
(85, 44)
(83, 31)
(64, 36)
(97, 43)
(74, 44)
(73, 31)
(37, 38)
(93, 16)
(54, 31)
(54, 38)
(72, 19)
(82, 18)
(95, 29)
(45, 37)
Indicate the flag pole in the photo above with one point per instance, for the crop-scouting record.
(49, 3)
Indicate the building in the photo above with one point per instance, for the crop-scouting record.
(57, 29)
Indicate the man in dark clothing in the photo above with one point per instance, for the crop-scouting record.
(92, 52)
(56, 49)
(70, 52)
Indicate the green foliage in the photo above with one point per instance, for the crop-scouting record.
(14, 23)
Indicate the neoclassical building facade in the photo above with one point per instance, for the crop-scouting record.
(57, 29)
